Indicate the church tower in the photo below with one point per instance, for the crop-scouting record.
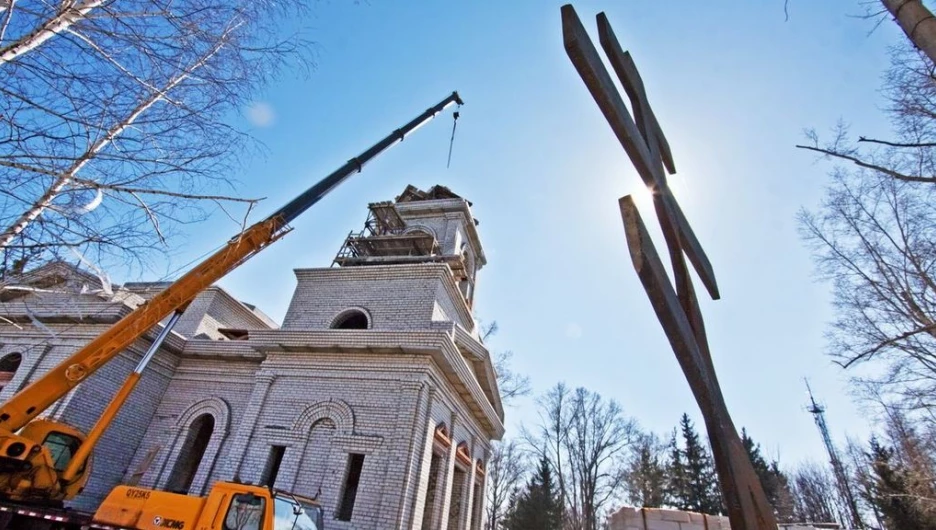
(420, 227)
(413, 266)
(376, 395)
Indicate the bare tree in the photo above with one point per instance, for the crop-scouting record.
(585, 438)
(511, 384)
(505, 470)
(115, 117)
(816, 498)
(873, 240)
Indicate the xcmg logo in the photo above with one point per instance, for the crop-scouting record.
(175, 524)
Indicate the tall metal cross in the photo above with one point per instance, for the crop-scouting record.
(676, 307)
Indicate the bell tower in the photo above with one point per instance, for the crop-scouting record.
(434, 226)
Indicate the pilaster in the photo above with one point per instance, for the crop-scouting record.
(262, 382)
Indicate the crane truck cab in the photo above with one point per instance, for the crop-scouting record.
(229, 506)
(32, 462)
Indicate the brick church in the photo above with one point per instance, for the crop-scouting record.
(376, 395)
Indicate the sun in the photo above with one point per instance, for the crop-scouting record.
(643, 198)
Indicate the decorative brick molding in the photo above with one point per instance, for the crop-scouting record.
(336, 410)
(420, 227)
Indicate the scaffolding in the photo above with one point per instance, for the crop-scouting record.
(384, 240)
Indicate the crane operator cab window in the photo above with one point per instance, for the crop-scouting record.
(245, 512)
(291, 514)
(61, 446)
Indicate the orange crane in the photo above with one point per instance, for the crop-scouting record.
(45, 462)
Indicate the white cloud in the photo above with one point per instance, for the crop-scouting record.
(573, 330)
(261, 114)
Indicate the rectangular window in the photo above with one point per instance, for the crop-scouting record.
(429, 507)
(268, 478)
(478, 506)
(355, 464)
(455, 502)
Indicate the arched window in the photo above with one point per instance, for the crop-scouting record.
(351, 319)
(9, 364)
(193, 450)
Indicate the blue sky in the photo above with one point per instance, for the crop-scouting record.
(733, 88)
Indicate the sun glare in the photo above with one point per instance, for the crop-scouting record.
(643, 198)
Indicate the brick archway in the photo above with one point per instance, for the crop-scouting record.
(220, 412)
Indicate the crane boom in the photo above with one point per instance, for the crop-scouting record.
(28, 403)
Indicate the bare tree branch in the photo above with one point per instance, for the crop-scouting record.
(862, 163)
(897, 144)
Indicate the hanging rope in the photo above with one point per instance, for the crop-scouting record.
(452, 140)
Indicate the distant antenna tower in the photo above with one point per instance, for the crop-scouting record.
(838, 469)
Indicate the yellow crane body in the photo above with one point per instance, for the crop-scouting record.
(228, 505)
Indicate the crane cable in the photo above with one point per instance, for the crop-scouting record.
(452, 140)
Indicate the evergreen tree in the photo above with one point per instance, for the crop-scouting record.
(677, 489)
(701, 485)
(775, 483)
(646, 474)
(892, 493)
(538, 506)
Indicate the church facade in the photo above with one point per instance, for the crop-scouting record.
(376, 395)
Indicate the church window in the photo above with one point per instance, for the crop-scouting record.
(190, 457)
(431, 493)
(8, 367)
(477, 505)
(274, 460)
(355, 465)
(455, 502)
(351, 319)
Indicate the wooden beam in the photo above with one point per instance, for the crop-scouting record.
(666, 304)
(747, 505)
(627, 73)
(588, 63)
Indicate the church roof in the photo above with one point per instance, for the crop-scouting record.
(437, 192)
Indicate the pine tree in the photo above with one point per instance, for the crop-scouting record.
(646, 474)
(702, 492)
(775, 483)
(677, 490)
(538, 506)
(892, 495)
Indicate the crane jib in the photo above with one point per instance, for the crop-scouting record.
(314, 194)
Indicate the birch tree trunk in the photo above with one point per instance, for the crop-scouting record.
(917, 22)
(70, 13)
